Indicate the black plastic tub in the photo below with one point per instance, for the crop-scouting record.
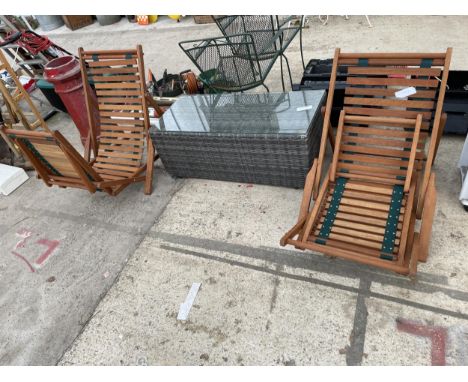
(456, 102)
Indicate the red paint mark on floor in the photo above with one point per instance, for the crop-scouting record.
(31, 268)
(24, 234)
(436, 334)
(51, 245)
(34, 259)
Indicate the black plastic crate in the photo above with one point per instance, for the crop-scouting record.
(320, 70)
(456, 102)
(317, 77)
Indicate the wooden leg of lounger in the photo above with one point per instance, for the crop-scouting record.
(331, 137)
(149, 168)
(415, 250)
(427, 219)
(411, 233)
(292, 232)
(308, 188)
(87, 148)
(304, 235)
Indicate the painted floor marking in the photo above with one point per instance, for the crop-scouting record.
(37, 260)
(437, 335)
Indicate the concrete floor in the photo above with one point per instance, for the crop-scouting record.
(120, 267)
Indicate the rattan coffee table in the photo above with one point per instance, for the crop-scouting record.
(267, 138)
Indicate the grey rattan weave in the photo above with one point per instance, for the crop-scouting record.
(247, 138)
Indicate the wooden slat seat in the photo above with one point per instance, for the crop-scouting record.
(361, 218)
(380, 181)
(360, 202)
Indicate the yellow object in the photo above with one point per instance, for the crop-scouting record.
(175, 17)
(152, 18)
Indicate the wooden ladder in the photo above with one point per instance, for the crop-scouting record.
(13, 99)
(12, 102)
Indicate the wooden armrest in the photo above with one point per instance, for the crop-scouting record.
(307, 195)
(443, 122)
(331, 138)
(414, 147)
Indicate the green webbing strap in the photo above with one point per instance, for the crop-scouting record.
(426, 62)
(392, 223)
(332, 211)
(128, 56)
(37, 154)
(363, 62)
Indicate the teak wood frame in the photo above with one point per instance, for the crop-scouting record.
(122, 101)
(120, 88)
(365, 99)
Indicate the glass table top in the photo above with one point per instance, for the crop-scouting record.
(243, 113)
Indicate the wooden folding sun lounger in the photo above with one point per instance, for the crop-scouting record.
(122, 100)
(380, 180)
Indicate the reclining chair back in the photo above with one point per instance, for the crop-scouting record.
(119, 82)
(377, 150)
(380, 85)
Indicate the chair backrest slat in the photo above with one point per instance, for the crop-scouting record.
(376, 150)
(371, 86)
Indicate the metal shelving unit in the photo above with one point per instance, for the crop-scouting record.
(32, 64)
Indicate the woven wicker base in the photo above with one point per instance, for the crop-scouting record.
(277, 159)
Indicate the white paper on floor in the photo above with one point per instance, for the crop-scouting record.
(185, 307)
(303, 108)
